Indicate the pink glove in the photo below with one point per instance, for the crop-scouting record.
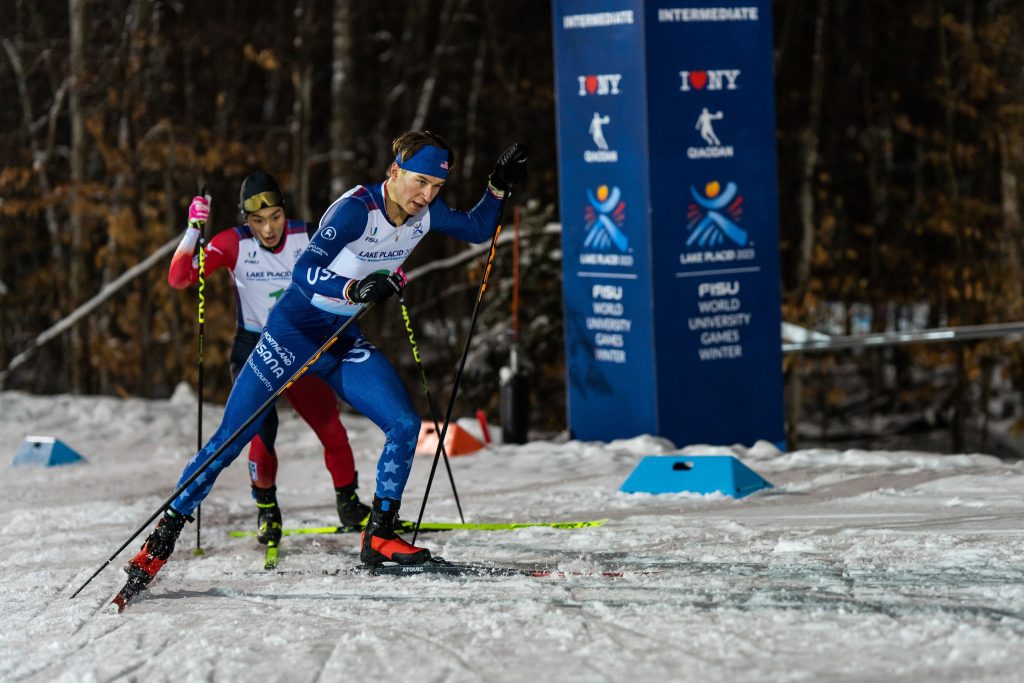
(198, 210)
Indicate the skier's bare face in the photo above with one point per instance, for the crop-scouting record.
(410, 192)
(268, 225)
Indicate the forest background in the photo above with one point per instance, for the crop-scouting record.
(900, 142)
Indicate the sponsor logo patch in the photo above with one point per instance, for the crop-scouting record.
(713, 147)
(602, 154)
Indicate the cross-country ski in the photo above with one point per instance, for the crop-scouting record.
(270, 561)
(409, 526)
(441, 567)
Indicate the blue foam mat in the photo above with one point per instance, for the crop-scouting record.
(47, 451)
(694, 474)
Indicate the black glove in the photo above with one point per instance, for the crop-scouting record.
(374, 287)
(510, 168)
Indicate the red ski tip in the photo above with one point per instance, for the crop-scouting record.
(120, 601)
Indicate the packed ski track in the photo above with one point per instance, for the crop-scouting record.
(857, 565)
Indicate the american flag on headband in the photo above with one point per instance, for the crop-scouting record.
(444, 165)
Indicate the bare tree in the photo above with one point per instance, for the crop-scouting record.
(302, 105)
(953, 189)
(41, 153)
(473, 108)
(809, 152)
(442, 45)
(341, 85)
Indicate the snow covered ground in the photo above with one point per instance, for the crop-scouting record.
(856, 566)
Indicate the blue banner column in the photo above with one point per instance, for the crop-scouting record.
(666, 136)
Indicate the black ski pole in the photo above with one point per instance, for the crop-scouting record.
(462, 363)
(430, 401)
(201, 317)
(231, 439)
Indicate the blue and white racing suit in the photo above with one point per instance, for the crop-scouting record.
(355, 238)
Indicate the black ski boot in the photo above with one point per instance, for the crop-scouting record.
(381, 544)
(352, 512)
(268, 521)
(157, 548)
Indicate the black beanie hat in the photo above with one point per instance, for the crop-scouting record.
(255, 183)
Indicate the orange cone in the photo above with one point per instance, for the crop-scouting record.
(457, 441)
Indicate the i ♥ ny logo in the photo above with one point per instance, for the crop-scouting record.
(711, 79)
(599, 84)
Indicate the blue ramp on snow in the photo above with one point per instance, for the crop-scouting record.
(45, 450)
(693, 474)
